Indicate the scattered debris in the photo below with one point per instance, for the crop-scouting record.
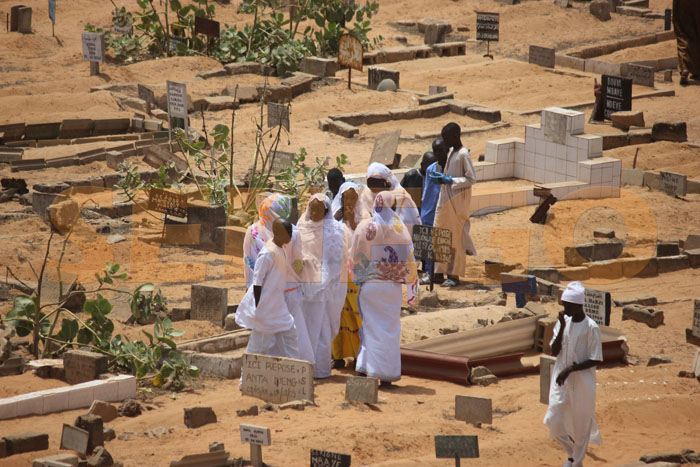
(647, 300)
(658, 360)
(130, 408)
(451, 330)
(482, 376)
(108, 434)
(216, 446)
(199, 416)
(105, 410)
(649, 316)
(100, 458)
(252, 410)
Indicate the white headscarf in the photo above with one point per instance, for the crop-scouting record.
(337, 204)
(574, 293)
(377, 170)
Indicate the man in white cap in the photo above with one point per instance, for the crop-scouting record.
(578, 348)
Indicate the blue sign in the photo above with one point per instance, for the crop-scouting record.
(52, 11)
(528, 286)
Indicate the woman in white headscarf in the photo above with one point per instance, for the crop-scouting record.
(381, 178)
(324, 278)
(381, 259)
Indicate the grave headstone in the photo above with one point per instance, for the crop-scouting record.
(257, 437)
(487, 26)
(146, 94)
(554, 127)
(542, 56)
(361, 389)
(75, 439)
(81, 366)
(616, 94)
(281, 160)
(376, 75)
(177, 106)
(167, 202)
(673, 184)
(562, 3)
(384, 150)
(329, 459)
(209, 303)
(157, 156)
(277, 379)
(667, 19)
(277, 115)
(14, 17)
(432, 243)
(546, 368)
(597, 305)
(696, 318)
(174, 41)
(206, 26)
(24, 20)
(93, 46)
(473, 409)
(456, 446)
(436, 89)
(639, 74)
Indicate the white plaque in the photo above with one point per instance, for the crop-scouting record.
(596, 305)
(696, 318)
(254, 434)
(177, 99)
(93, 46)
(277, 379)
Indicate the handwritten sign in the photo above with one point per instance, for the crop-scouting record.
(277, 115)
(674, 184)
(432, 244)
(206, 26)
(617, 94)
(487, 26)
(451, 446)
(696, 318)
(597, 305)
(350, 52)
(177, 99)
(329, 459)
(254, 434)
(93, 46)
(277, 379)
(167, 202)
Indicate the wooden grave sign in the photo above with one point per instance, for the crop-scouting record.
(350, 54)
(177, 107)
(456, 447)
(257, 437)
(616, 94)
(329, 459)
(167, 202)
(93, 50)
(277, 115)
(487, 25)
(277, 379)
(432, 244)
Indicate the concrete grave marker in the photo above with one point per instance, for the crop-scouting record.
(148, 95)
(436, 89)
(281, 160)
(640, 74)
(673, 184)
(456, 447)
(361, 389)
(81, 366)
(696, 318)
(257, 436)
(376, 75)
(597, 305)
(473, 409)
(209, 303)
(546, 368)
(277, 379)
(75, 439)
(616, 94)
(329, 459)
(177, 106)
(554, 127)
(277, 115)
(384, 150)
(542, 56)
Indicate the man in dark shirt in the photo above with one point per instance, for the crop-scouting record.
(412, 181)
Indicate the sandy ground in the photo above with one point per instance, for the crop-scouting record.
(44, 79)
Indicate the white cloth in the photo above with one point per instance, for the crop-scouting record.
(271, 315)
(453, 211)
(571, 412)
(278, 344)
(574, 293)
(380, 350)
(292, 298)
(378, 170)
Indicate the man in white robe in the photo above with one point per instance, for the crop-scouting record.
(577, 346)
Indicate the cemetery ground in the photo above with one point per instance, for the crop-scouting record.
(640, 409)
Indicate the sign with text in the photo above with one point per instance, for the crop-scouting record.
(519, 284)
(206, 26)
(277, 379)
(432, 244)
(74, 438)
(281, 160)
(146, 94)
(329, 459)
(173, 41)
(542, 56)
(696, 318)
(597, 305)
(93, 46)
(350, 52)
(487, 26)
(277, 115)
(52, 11)
(617, 94)
(673, 184)
(167, 202)
(177, 99)
(451, 446)
(254, 434)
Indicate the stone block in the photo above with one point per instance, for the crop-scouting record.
(243, 94)
(474, 410)
(24, 20)
(43, 130)
(639, 136)
(216, 103)
(672, 263)
(56, 460)
(398, 54)
(209, 303)
(299, 83)
(81, 366)
(26, 442)
(242, 68)
(624, 120)
(604, 251)
(458, 107)
(404, 113)
(611, 269)
(199, 416)
(652, 180)
(646, 300)
(215, 73)
(425, 22)
(12, 132)
(94, 426)
(546, 369)
(343, 129)
(692, 242)
(104, 410)
(649, 316)
(433, 110)
(432, 98)
(667, 249)
(669, 131)
(567, 61)
(64, 215)
(361, 389)
(76, 128)
(435, 33)
(209, 217)
(319, 66)
(111, 126)
(276, 93)
(376, 75)
(483, 113)
(693, 257)
(615, 141)
(100, 458)
(577, 273)
(639, 267)
(548, 274)
(542, 56)
(114, 159)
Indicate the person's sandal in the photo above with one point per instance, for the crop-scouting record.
(684, 77)
(449, 283)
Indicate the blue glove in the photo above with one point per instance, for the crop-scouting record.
(440, 178)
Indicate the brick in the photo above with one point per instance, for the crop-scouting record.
(639, 136)
(279, 93)
(28, 164)
(473, 410)
(12, 132)
(450, 49)
(579, 273)
(433, 110)
(26, 442)
(670, 131)
(398, 54)
(76, 128)
(244, 68)
(667, 249)
(567, 61)
(199, 416)
(104, 410)
(615, 141)
(423, 100)
(343, 129)
(484, 113)
(318, 66)
(209, 303)
(244, 94)
(693, 258)
(43, 130)
(404, 113)
(215, 73)
(299, 83)
(81, 366)
(217, 103)
(673, 263)
(111, 126)
(361, 389)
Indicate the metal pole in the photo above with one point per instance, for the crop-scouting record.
(349, 76)
(456, 461)
(167, 30)
(94, 68)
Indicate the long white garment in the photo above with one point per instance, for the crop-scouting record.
(380, 350)
(571, 412)
(453, 209)
(292, 297)
(278, 344)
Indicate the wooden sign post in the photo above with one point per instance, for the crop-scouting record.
(456, 447)
(350, 54)
(257, 437)
(277, 115)
(208, 27)
(148, 95)
(487, 29)
(177, 107)
(94, 50)
(432, 244)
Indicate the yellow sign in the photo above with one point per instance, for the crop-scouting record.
(350, 52)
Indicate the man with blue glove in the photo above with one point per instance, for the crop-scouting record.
(431, 193)
(456, 180)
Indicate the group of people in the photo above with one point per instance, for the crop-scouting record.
(330, 288)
